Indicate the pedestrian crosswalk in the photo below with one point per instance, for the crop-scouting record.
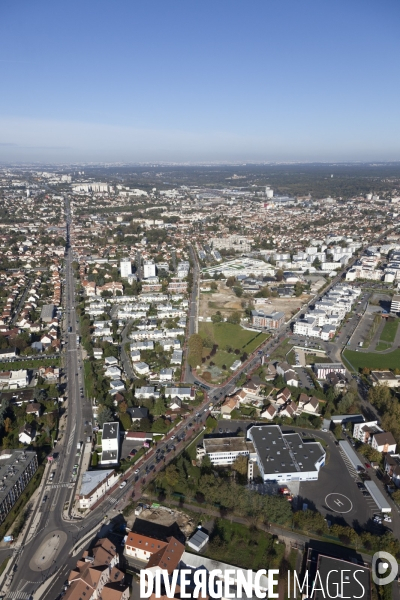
(112, 500)
(71, 439)
(65, 484)
(18, 595)
(349, 465)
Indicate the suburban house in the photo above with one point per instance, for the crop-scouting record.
(138, 413)
(97, 576)
(26, 434)
(384, 442)
(392, 468)
(289, 410)
(283, 396)
(269, 413)
(153, 553)
(228, 406)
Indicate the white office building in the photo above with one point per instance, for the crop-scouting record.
(149, 269)
(125, 268)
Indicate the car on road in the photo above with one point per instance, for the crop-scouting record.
(44, 499)
(137, 471)
(123, 484)
(172, 437)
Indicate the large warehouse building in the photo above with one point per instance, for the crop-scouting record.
(285, 457)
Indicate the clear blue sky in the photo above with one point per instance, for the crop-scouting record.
(199, 80)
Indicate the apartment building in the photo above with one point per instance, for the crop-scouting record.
(17, 467)
(110, 444)
(395, 304)
(265, 320)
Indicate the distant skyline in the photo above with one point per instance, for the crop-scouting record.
(226, 81)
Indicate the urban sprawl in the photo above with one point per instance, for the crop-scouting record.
(195, 376)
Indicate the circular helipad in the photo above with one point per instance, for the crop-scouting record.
(338, 503)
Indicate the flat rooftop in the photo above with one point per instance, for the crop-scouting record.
(110, 431)
(12, 464)
(91, 479)
(351, 589)
(284, 452)
(228, 444)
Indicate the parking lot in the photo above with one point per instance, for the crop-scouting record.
(339, 494)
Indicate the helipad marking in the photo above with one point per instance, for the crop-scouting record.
(339, 503)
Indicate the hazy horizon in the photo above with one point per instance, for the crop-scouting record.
(198, 83)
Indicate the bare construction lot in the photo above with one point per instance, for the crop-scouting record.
(226, 301)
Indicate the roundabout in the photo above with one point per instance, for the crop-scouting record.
(48, 551)
(338, 503)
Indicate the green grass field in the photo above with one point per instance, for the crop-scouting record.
(228, 334)
(389, 331)
(382, 346)
(373, 360)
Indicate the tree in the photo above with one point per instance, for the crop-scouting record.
(279, 275)
(171, 475)
(240, 465)
(230, 282)
(105, 415)
(396, 496)
(195, 350)
(160, 426)
(125, 420)
(217, 317)
(238, 291)
(338, 432)
(234, 318)
(7, 424)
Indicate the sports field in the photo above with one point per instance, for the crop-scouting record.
(372, 360)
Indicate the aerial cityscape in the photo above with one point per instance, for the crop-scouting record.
(199, 301)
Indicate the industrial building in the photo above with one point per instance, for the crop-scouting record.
(284, 457)
(17, 467)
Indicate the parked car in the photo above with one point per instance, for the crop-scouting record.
(123, 484)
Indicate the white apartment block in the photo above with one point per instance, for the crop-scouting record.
(149, 269)
(238, 243)
(125, 268)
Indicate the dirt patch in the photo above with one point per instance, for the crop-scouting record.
(285, 305)
(223, 299)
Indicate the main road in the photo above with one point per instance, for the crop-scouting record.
(52, 531)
